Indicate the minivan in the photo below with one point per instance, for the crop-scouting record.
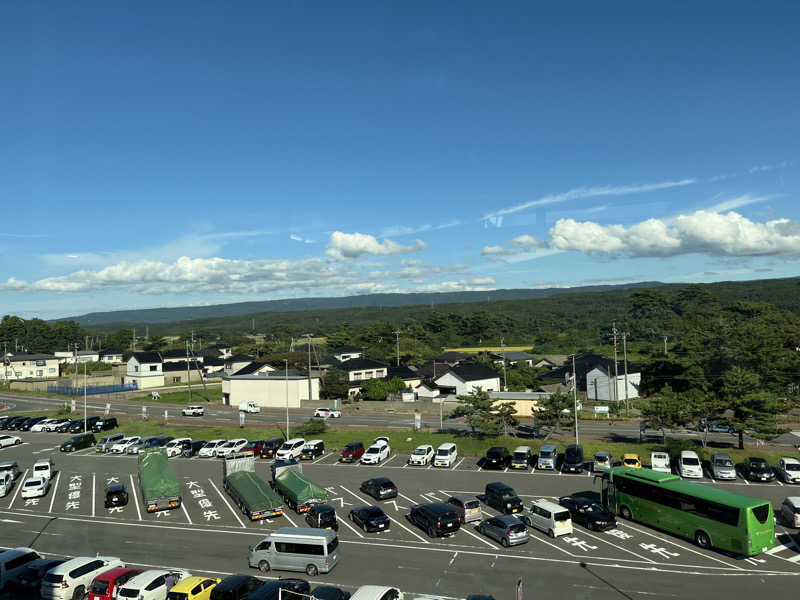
(446, 455)
(547, 457)
(659, 461)
(549, 517)
(689, 465)
(12, 562)
(296, 549)
(722, 466)
(502, 497)
(521, 457)
(105, 424)
(291, 449)
(270, 447)
(468, 508)
(573, 459)
(437, 519)
(78, 442)
(104, 443)
(312, 449)
(77, 426)
(43, 468)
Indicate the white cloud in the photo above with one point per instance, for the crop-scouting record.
(497, 251)
(298, 238)
(781, 165)
(586, 192)
(398, 230)
(528, 241)
(479, 284)
(702, 232)
(738, 202)
(352, 245)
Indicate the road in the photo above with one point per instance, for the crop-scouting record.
(207, 536)
(274, 416)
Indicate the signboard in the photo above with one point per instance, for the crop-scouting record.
(166, 415)
(335, 404)
(108, 409)
(72, 408)
(417, 421)
(241, 418)
(601, 410)
(144, 413)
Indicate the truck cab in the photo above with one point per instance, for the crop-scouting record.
(249, 407)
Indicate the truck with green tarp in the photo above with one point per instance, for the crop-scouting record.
(254, 497)
(158, 484)
(297, 490)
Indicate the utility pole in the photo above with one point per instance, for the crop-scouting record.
(286, 376)
(625, 364)
(308, 337)
(133, 341)
(84, 397)
(616, 371)
(397, 336)
(75, 375)
(188, 374)
(575, 396)
(503, 349)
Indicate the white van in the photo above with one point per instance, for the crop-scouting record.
(12, 562)
(659, 461)
(291, 449)
(249, 407)
(43, 468)
(446, 455)
(73, 578)
(549, 517)
(296, 549)
(689, 465)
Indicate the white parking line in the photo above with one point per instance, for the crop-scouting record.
(19, 485)
(391, 458)
(288, 518)
(458, 463)
(360, 499)
(135, 499)
(407, 498)
(93, 493)
(350, 527)
(225, 500)
(53, 492)
(778, 482)
(321, 457)
(597, 537)
(477, 537)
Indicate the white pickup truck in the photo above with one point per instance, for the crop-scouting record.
(249, 407)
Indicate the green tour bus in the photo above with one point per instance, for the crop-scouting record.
(710, 516)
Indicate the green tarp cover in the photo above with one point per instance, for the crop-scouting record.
(295, 485)
(156, 476)
(254, 491)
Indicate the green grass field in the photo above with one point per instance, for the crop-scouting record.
(214, 394)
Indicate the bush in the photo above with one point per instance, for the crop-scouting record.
(312, 427)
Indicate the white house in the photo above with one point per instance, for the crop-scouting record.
(463, 379)
(83, 356)
(600, 385)
(254, 368)
(360, 370)
(113, 357)
(145, 369)
(236, 362)
(512, 358)
(269, 389)
(179, 355)
(29, 366)
(347, 353)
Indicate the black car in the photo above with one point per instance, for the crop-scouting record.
(370, 519)
(502, 497)
(322, 516)
(28, 582)
(573, 459)
(65, 426)
(379, 488)
(330, 592)
(437, 519)
(757, 469)
(15, 422)
(271, 446)
(28, 423)
(235, 587)
(116, 495)
(78, 442)
(77, 425)
(588, 513)
(497, 457)
(527, 431)
(289, 588)
(105, 424)
(162, 441)
(4, 420)
(189, 449)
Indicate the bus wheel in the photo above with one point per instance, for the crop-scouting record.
(701, 539)
(625, 512)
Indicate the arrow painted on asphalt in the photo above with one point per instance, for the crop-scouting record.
(394, 503)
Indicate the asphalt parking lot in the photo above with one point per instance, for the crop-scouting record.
(208, 535)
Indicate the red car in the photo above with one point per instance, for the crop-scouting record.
(105, 585)
(352, 452)
(270, 447)
(254, 446)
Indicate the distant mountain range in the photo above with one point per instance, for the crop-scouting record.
(187, 313)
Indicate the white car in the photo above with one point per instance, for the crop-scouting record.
(9, 440)
(421, 455)
(327, 412)
(210, 448)
(689, 465)
(72, 579)
(175, 447)
(42, 425)
(790, 511)
(121, 447)
(292, 448)
(153, 584)
(6, 483)
(378, 452)
(230, 447)
(10, 466)
(53, 424)
(377, 592)
(659, 461)
(788, 469)
(35, 487)
(193, 411)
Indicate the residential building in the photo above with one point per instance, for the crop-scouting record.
(179, 355)
(409, 376)
(256, 368)
(600, 383)
(346, 353)
(83, 356)
(145, 369)
(270, 389)
(464, 378)
(361, 369)
(29, 366)
(112, 356)
(512, 358)
(451, 358)
(601, 387)
(217, 350)
(179, 372)
(235, 362)
(551, 361)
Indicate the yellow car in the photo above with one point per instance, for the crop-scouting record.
(193, 588)
(631, 460)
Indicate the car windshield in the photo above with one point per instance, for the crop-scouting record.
(690, 460)
(600, 459)
(441, 452)
(520, 456)
(508, 493)
(99, 587)
(545, 454)
(33, 483)
(421, 451)
(593, 508)
(372, 450)
(759, 466)
(631, 461)
(723, 462)
(792, 466)
(287, 447)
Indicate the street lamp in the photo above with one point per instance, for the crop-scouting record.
(84, 397)
(286, 364)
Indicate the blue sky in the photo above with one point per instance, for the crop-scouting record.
(166, 154)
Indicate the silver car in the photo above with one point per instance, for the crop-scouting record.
(722, 466)
(506, 529)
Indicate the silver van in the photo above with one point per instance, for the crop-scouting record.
(12, 562)
(722, 466)
(547, 457)
(296, 549)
